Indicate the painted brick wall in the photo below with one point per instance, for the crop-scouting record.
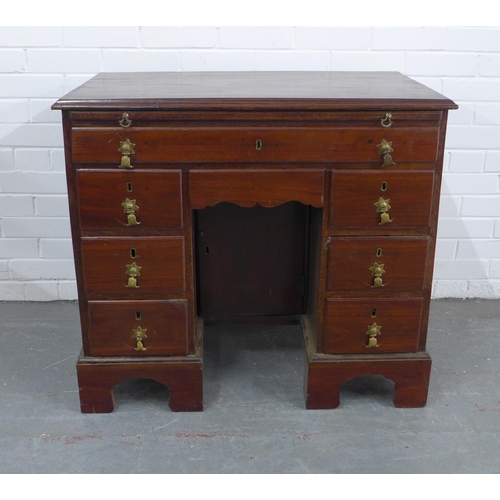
(40, 64)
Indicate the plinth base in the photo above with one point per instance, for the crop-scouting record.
(325, 373)
(98, 376)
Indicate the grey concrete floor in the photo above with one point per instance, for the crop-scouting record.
(254, 419)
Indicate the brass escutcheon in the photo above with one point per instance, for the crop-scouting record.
(258, 144)
(139, 334)
(373, 332)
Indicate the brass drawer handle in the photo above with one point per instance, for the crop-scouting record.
(377, 270)
(130, 208)
(373, 332)
(125, 121)
(384, 149)
(387, 120)
(139, 334)
(133, 271)
(383, 207)
(126, 149)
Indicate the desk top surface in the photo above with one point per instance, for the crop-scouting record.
(328, 91)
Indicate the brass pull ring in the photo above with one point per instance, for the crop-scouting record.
(125, 121)
(387, 120)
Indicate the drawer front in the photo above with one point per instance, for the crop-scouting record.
(269, 188)
(133, 266)
(381, 200)
(138, 328)
(131, 202)
(219, 144)
(371, 326)
(378, 264)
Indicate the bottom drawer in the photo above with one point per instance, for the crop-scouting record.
(365, 326)
(137, 328)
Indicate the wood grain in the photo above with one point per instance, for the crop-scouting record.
(157, 194)
(268, 188)
(254, 90)
(350, 260)
(111, 325)
(218, 144)
(104, 262)
(347, 322)
(354, 195)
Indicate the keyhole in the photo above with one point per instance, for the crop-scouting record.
(207, 250)
(384, 186)
(379, 252)
(129, 187)
(138, 315)
(258, 144)
(374, 313)
(133, 253)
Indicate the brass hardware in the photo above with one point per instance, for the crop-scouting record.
(384, 149)
(378, 253)
(125, 121)
(126, 149)
(133, 253)
(382, 208)
(125, 163)
(129, 208)
(139, 334)
(374, 313)
(138, 315)
(377, 270)
(373, 332)
(383, 187)
(129, 187)
(133, 271)
(387, 120)
(258, 144)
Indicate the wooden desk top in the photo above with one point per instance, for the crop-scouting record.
(322, 91)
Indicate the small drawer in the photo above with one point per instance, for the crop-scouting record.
(220, 144)
(268, 188)
(131, 202)
(381, 201)
(138, 328)
(133, 266)
(377, 264)
(372, 326)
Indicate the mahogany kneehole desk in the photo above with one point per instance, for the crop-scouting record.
(311, 196)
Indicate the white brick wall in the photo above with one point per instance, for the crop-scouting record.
(40, 64)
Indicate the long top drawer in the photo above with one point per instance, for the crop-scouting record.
(219, 144)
